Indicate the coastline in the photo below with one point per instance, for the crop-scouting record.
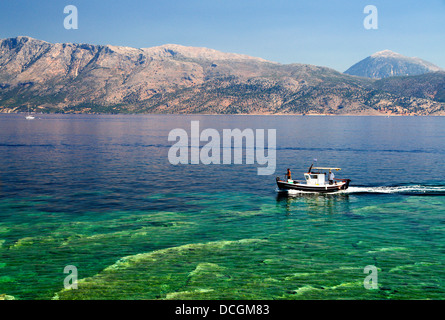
(349, 114)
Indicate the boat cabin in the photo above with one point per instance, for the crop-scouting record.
(315, 179)
(318, 178)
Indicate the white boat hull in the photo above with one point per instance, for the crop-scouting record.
(341, 184)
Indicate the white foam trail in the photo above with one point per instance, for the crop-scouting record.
(300, 192)
(415, 189)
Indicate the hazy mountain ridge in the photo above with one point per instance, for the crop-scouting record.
(387, 63)
(176, 79)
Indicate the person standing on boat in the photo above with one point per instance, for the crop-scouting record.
(331, 177)
(289, 177)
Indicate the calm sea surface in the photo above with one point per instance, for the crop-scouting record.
(98, 193)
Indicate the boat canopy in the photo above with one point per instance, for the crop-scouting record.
(326, 168)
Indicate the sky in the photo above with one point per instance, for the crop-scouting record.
(326, 33)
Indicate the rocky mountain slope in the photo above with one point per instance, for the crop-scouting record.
(386, 64)
(176, 79)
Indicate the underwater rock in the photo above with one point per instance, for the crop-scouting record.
(29, 241)
(4, 230)
(415, 266)
(171, 273)
(347, 285)
(5, 279)
(22, 242)
(306, 289)
(388, 249)
(300, 275)
(127, 261)
(184, 295)
(207, 274)
(327, 292)
(205, 268)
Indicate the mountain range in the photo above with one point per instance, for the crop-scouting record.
(84, 78)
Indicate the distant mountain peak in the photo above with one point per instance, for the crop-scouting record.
(386, 53)
(387, 63)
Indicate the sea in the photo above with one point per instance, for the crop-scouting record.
(91, 207)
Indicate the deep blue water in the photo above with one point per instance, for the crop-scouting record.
(70, 186)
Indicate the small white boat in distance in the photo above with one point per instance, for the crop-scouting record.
(317, 179)
(29, 116)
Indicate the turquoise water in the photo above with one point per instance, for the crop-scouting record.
(98, 192)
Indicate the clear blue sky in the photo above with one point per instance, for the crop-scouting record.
(328, 33)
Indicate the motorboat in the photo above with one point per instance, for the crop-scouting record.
(316, 180)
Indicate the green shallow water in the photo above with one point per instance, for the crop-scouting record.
(228, 246)
(97, 192)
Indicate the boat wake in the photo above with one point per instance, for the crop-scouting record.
(419, 190)
(405, 190)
